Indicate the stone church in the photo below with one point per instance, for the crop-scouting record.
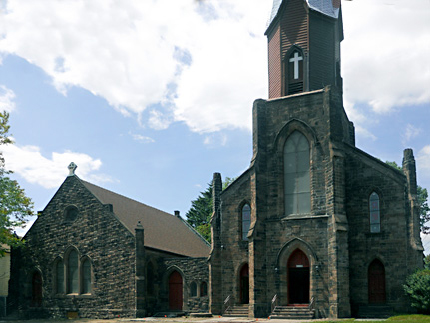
(315, 227)
(95, 253)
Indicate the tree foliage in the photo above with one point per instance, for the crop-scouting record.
(15, 206)
(417, 288)
(422, 197)
(200, 213)
(427, 262)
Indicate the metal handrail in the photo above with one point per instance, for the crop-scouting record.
(274, 303)
(227, 304)
(312, 304)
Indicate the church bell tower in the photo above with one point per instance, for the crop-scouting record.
(304, 46)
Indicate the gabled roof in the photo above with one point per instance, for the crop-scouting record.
(163, 231)
(326, 7)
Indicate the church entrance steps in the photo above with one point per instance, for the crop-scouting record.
(292, 313)
(240, 310)
(375, 311)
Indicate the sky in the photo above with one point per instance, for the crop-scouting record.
(150, 98)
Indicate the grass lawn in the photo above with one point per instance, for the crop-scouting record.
(417, 318)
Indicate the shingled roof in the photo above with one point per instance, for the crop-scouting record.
(326, 7)
(163, 231)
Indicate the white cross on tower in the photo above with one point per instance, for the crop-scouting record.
(295, 60)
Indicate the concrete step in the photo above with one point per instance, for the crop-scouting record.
(292, 313)
(237, 311)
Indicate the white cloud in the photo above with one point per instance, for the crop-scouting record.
(7, 98)
(206, 60)
(134, 52)
(423, 161)
(363, 132)
(385, 53)
(411, 132)
(141, 138)
(28, 162)
(159, 120)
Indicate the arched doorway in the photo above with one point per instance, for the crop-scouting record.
(298, 278)
(36, 289)
(376, 282)
(244, 284)
(175, 291)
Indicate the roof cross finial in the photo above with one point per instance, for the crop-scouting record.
(72, 167)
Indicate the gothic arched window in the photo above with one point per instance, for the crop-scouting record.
(297, 192)
(294, 73)
(150, 274)
(193, 289)
(375, 217)
(72, 273)
(59, 277)
(86, 277)
(246, 221)
(203, 289)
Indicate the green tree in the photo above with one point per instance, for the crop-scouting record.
(417, 288)
(15, 206)
(427, 262)
(200, 213)
(422, 196)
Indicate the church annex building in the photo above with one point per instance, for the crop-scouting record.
(314, 228)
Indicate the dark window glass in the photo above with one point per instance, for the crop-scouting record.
(86, 277)
(193, 289)
(151, 279)
(246, 221)
(59, 271)
(72, 273)
(204, 289)
(71, 213)
(296, 175)
(375, 218)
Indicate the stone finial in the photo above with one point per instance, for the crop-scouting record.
(72, 167)
(139, 225)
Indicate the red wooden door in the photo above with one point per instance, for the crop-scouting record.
(36, 295)
(244, 284)
(298, 278)
(175, 291)
(376, 281)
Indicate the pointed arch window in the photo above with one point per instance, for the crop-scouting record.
(294, 72)
(375, 216)
(246, 221)
(193, 289)
(59, 276)
(86, 276)
(203, 289)
(72, 273)
(297, 192)
(150, 274)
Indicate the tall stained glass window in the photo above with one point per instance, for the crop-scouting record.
(246, 221)
(375, 217)
(297, 192)
(86, 277)
(59, 272)
(73, 273)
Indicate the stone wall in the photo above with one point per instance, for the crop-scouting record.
(391, 245)
(192, 270)
(96, 234)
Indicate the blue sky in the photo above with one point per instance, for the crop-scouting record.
(149, 98)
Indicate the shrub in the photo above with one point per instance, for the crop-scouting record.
(417, 287)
